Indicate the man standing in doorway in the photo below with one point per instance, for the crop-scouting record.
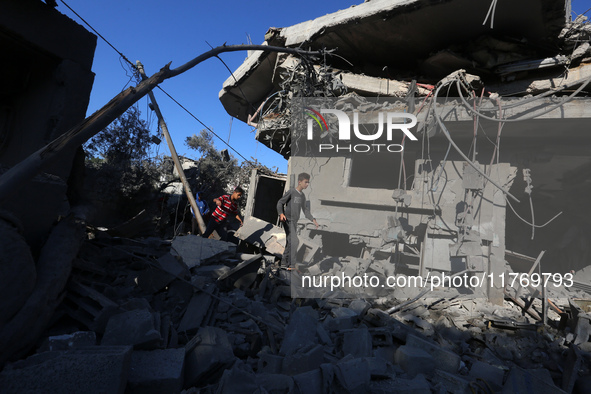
(289, 208)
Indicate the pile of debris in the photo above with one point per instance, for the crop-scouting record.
(195, 314)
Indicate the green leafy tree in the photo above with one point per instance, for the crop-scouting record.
(215, 173)
(124, 142)
(121, 178)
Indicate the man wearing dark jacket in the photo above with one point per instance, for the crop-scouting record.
(289, 208)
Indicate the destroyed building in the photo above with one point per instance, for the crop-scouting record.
(437, 205)
(112, 312)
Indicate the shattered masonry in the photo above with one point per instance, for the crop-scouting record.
(121, 313)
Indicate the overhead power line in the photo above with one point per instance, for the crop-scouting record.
(163, 91)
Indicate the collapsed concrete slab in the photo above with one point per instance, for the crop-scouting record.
(262, 234)
(166, 269)
(195, 250)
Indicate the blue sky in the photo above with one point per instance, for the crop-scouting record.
(158, 32)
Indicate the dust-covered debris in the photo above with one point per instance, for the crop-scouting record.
(200, 334)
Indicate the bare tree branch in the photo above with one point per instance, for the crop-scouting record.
(13, 179)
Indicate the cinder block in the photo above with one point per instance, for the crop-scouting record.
(341, 319)
(414, 360)
(358, 343)
(360, 306)
(378, 367)
(156, 371)
(136, 328)
(353, 375)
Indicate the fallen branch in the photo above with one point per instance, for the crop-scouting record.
(13, 179)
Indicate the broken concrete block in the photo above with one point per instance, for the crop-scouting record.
(309, 382)
(237, 380)
(270, 363)
(300, 332)
(323, 335)
(195, 250)
(452, 383)
(303, 360)
(89, 306)
(360, 307)
(582, 329)
(263, 234)
(136, 328)
(167, 269)
(97, 369)
(275, 383)
(69, 341)
(417, 385)
(571, 368)
(414, 361)
(378, 367)
(522, 381)
(341, 319)
(245, 267)
(445, 360)
(386, 353)
(358, 343)
(211, 355)
(195, 313)
(308, 250)
(353, 374)
(156, 371)
(491, 374)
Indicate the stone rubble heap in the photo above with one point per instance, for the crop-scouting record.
(195, 316)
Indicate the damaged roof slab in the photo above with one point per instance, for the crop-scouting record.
(382, 37)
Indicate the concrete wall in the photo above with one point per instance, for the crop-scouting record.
(47, 70)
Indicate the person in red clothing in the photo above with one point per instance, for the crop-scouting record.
(226, 205)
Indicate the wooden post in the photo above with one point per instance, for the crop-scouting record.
(175, 157)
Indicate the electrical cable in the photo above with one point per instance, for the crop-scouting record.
(99, 34)
(448, 136)
(525, 117)
(135, 68)
(491, 13)
(203, 124)
(532, 224)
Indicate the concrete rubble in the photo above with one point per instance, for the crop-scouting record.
(197, 315)
(200, 333)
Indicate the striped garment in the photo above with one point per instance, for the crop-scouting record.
(228, 206)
